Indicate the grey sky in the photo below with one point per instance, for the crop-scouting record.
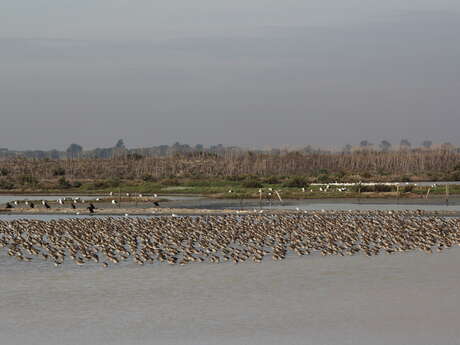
(262, 73)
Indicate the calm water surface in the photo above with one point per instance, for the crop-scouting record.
(409, 298)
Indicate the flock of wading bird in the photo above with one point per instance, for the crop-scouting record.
(73, 203)
(229, 238)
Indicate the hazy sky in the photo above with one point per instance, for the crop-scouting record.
(250, 73)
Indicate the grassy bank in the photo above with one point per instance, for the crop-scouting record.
(235, 188)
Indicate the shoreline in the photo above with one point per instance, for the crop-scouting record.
(198, 212)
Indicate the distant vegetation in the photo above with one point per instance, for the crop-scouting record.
(217, 169)
(244, 171)
(76, 151)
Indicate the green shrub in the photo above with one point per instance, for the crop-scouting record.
(339, 175)
(59, 172)
(63, 183)
(100, 185)
(236, 178)
(271, 180)
(114, 182)
(323, 178)
(405, 178)
(366, 174)
(170, 182)
(6, 184)
(296, 182)
(149, 178)
(252, 183)
(408, 188)
(382, 188)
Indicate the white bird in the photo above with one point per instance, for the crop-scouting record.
(155, 195)
(114, 202)
(126, 215)
(173, 215)
(230, 191)
(127, 194)
(60, 202)
(111, 193)
(140, 195)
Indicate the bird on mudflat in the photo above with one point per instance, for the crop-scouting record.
(91, 208)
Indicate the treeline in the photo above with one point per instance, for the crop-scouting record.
(318, 166)
(120, 150)
(77, 151)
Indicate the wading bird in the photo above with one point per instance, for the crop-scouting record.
(91, 208)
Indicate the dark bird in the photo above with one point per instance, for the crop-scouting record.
(91, 208)
(8, 205)
(32, 205)
(46, 204)
(73, 206)
(156, 203)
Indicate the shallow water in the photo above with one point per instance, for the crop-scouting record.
(10, 198)
(366, 207)
(437, 204)
(4, 198)
(196, 202)
(10, 217)
(408, 298)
